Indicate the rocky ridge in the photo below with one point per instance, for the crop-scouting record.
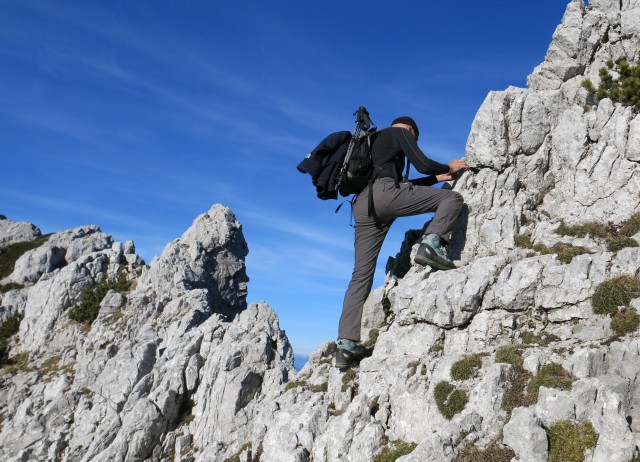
(503, 358)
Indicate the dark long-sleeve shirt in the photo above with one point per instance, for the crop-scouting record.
(394, 143)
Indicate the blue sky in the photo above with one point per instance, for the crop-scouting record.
(138, 116)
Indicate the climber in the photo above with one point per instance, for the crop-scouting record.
(393, 198)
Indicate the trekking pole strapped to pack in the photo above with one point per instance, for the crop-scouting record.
(356, 169)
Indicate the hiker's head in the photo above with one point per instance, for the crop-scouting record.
(407, 123)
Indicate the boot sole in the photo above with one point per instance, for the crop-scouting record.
(425, 260)
(345, 360)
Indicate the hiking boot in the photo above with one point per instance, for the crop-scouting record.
(348, 352)
(433, 254)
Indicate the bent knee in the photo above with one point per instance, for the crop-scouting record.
(456, 198)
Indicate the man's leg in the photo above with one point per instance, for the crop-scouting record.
(414, 200)
(368, 241)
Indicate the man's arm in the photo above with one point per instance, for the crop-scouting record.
(415, 155)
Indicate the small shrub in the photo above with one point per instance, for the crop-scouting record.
(625, 322)
(510, 354)
(450, 400)
(86, 311)
(611, 294)
(466, 368)
(621, 242)
(624, 89)
(568, 442)
(551, 375)
(10, 254)
(391, 454)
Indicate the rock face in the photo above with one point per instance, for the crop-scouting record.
(178, 367)
(176, 362)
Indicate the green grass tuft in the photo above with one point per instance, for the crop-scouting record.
(529, 338)
(515, 394)
(611, 294)
(373, 338)
(4, 288)
(398, 449)
(10, 254)
(413, 366)
(522, 387)
(524, 241)
(466, 368)
(565, 252)
(494, 452)
(617, 236)
(437, 347)
(348, 378)
(236, 456)
(625, 322)
(450, 400)
(568, 441)
(621, 242)
(510, 354)
(322, 388)
(551, 375)
(631, 226)
(591, 228)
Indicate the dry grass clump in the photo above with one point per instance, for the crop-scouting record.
(493, 453)
(568, 441)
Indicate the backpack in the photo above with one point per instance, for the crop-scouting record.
(357, 167)
(342, 162)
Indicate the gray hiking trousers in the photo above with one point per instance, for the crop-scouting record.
(389, 203)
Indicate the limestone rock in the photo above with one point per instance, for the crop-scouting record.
(17, 231)
(180, 364)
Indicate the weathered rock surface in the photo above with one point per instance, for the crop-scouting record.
(179, 361)
(180, 368)
(12, 231)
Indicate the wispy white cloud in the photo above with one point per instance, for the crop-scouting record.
(79, 208)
